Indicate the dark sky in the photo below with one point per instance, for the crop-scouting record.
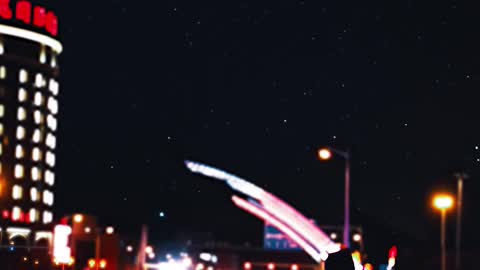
(255, 87)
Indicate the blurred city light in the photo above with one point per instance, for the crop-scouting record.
(357, 237)
(103, 264)
(110, 230)
(151, 255)
(443, 201)
(129, 248)
(78, 218)
(247, 266)
(87, 230)
(271, 266)
(200, 266)
(324, 154)
(333, 236)
(149, 250)
(91, 263)
(61, 251)
(368, 266)
(294, 267)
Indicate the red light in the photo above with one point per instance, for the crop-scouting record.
(52, 23)
(247, 266)
(39, 16)
(294, 267)
(5, 11)
(5, 214)
(24, 11)
(392, 253)
(271, 266)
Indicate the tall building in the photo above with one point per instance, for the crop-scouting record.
(29, 91)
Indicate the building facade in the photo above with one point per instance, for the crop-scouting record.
(29, 90)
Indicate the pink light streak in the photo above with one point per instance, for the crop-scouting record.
(261, 214)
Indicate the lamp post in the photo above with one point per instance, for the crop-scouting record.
(326, 154)
(458, 236)
(443, 202)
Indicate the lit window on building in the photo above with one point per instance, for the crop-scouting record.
(36, 174)
(22, 95)
(23, 76)
(36, 154)
(16, 213)
(43, 55)
(18, 172)
(20, 133)
(2, 110)
(48, 198)
(37, 136)
(52, 105)
(50, 159)
(38, 117)
(3, 72)
(34, 194)
(51, 122)
(51, 141)
(17, 192)
(38, 99)
(53, 61)
(1, 129)
(47, 217)
(39, 80)
(33, 215)
(19, 152)
(49, 177)
(21, 114)
(53, 87)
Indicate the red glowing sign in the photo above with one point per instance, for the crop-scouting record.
(37, 16)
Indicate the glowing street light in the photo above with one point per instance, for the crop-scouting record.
(129, 248)
(110, 230)
(78, 218)
(443, 202)
(326, 154)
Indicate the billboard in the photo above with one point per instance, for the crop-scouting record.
(276, 240)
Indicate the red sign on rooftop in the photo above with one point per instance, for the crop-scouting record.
(24, 12)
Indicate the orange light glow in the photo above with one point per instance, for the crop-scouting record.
(368, 266)
(103, 264)
(324, 154)
(78, 218)
(91, 263)
(443, 201)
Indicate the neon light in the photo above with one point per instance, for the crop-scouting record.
(5, 11)
(24, 11)
(61, 251)
(32, 36)
(260, 213)
(39, 16)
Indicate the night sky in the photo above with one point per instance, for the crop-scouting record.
(256, 88)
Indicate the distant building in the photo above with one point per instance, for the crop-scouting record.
(92, 244)
(28, 122)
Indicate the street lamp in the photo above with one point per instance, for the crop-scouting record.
(326, 154)
(443, 202)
